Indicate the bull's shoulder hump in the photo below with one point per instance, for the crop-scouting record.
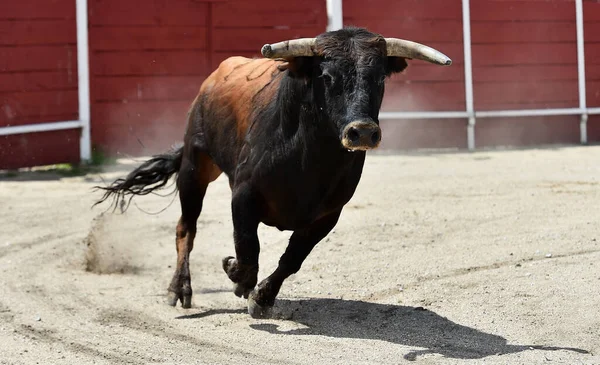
(241, 77)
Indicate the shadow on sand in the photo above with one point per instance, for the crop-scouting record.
(407, 326)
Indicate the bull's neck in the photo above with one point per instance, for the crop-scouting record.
(299, 114)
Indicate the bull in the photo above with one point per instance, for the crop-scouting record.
(290, 131)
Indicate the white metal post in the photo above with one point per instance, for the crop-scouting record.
(466, 19)
(83, 72)
(335, 17)
(581, 70)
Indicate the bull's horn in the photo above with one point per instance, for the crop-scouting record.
(292, 48)
(403, 48)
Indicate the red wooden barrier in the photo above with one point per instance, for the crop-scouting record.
(148, 59)
(147, 62)
(524, 56)
(38, 80)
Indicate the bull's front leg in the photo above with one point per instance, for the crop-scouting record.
(262, 299)
(243, 269)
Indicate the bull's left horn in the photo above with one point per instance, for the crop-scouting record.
(408, 49)
(289, 49)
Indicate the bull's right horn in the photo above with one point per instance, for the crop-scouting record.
(303, 47)
(408, 49)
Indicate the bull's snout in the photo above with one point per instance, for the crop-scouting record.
(361, 136)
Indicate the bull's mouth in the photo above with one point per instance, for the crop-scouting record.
(361, 136)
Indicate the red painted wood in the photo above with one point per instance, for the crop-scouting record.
(487, 32)
(521, 10)
(232, 40)
(524, 54)
(424, 96)
(423, 133)
(526, 73)
(418, 30)
(270, 14)
(398, 10)
(147, 13)
(35, 9)
(37, 81)
(527, 132)
(149, 63)
(156, 88)
(150, 114)
(38, 58)
(532, 104)
(137, 140)
(592, 50)
(593, 93)
(127, 38)
(46, 32)
(489, 93)
(35, 106)
(36, 149)
(592, 28)
(593, 128)
(421, 71)
(591, 10)
(139, 127)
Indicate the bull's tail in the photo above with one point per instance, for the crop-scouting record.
(149, 176)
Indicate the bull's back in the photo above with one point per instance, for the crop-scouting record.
(227, 103)
(239, 87)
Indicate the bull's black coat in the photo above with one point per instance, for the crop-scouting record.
(278, 130)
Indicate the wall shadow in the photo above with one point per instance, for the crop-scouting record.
(407, 326)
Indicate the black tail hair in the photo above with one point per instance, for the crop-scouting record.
(149, 176)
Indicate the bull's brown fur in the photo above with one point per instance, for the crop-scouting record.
(238, 86)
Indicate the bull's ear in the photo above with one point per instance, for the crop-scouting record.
(395, 65)
(301, 67)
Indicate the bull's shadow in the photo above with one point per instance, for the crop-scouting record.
(408, 326)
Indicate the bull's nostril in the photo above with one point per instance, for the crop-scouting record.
(375, 137)
(353, 135)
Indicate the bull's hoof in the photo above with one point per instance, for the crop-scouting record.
(173, 298)
(235, 274)
(257, 311)
(241, 291)
(227, 262)
(186, 302)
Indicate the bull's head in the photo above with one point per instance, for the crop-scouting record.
(347, 69)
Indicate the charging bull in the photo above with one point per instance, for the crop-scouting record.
(290, 131)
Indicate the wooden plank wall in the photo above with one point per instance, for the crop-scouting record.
(149, 58)
(147, 62)
(38, 80)
(524, 57)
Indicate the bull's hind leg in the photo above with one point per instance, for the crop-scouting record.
(243, 269)
(196, 172)
(262, 299)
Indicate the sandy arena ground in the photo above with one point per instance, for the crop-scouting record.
(485, 258)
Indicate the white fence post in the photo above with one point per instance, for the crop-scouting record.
(335, 17)
(83, 72)
(466, 18)
(581, 70)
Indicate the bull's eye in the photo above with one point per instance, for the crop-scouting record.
(327, 79)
